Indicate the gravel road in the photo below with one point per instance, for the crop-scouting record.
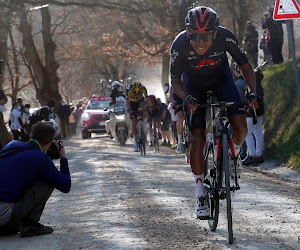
(122, 200)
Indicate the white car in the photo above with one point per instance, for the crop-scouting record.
(94, 116)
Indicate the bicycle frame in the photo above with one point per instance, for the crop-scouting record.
(220, 124)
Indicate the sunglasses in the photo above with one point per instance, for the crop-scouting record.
(196, 37)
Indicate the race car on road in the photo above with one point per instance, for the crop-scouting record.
(94, 116)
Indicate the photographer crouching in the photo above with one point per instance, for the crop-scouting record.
(27, 179)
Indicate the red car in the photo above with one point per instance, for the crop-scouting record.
(94, 116)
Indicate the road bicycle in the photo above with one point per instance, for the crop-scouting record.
(220, 169)
(155, 135)
(141, 132)
(155, 129)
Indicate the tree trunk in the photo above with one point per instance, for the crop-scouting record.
(46, 76)
(5, 18)
(165, 68)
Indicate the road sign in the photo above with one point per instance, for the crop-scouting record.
(286, 9)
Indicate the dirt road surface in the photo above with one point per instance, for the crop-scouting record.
(121, 200)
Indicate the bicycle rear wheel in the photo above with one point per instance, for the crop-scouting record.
(227, 184)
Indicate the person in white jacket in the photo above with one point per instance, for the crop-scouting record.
(15, 122)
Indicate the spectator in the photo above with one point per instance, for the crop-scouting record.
(265, 46)
(78, 112)
(251, 44)
(20, 101)
(255, 137)
(25, 119)
(64, 112)
(72, 122)
(28, 177)
(3, 101)
(242, 88)
(276, 36)
(165, 128)
(15, 122)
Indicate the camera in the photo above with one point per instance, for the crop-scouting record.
(53, 152)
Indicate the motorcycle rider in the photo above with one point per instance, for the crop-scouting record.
(116, 92)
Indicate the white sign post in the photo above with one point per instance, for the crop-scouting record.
(287, 10)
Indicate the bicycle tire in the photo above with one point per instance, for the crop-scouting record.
(155, 138)
(213, 199)
(227, 184)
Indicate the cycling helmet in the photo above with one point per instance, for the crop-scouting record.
(115, 83)
(137, 87)
(202, 19)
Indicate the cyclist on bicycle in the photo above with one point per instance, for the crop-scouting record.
(155, 112)
(199, 63)
(136, 98)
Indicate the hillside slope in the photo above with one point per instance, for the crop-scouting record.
(282, 114)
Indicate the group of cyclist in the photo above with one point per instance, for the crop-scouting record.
(138, 102)
(199, 64)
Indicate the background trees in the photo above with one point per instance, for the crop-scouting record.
(66, 49)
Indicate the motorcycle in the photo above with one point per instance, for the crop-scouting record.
(119, 124)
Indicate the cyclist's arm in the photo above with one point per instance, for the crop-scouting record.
(249, 76)
(179, 88)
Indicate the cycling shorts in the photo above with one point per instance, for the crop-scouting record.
(179, 101)
(156, 114)
(224, 89)
(134, 106)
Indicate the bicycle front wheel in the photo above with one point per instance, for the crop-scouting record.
(210, 179)
(227, 184)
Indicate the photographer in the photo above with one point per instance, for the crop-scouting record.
(28, 177)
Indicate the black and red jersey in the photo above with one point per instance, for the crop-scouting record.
(184, 58)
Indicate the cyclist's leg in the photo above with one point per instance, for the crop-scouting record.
(239, 130)
(198, 139)
(227, 91)
(133, 117)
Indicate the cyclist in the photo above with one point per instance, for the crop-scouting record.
(199, 63)
(155, 111)
(116, 92)
(136, 98)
